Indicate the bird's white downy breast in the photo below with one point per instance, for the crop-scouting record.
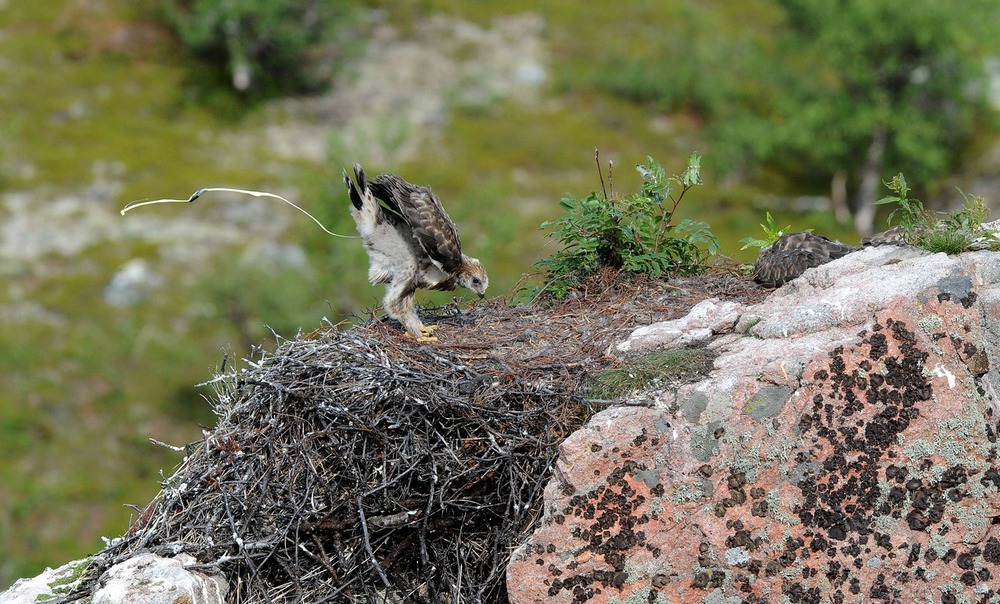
(389, 253)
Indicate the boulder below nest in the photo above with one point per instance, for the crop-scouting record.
(843, 449)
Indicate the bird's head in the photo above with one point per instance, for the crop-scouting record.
(473, 276)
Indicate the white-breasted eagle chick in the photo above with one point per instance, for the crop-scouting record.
(412, 244)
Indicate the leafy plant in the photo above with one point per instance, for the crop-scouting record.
(771, 234)
(634, 233)
(951, 233)
(910, 212)
(971, 217)
(969, 221)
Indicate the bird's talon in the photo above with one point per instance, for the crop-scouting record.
(426, 331)
(425, 334)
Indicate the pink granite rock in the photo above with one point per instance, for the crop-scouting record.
(844, 449)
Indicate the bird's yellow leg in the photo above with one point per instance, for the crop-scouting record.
(426, 331)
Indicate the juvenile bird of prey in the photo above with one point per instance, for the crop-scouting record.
(411, 243)
(792, 254)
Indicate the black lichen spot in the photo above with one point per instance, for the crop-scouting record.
(991, 476)
(966, 561)
(916, 521)
(881, 591)
(759, 509)
(991, 553)
(879, 346)
(954, 476)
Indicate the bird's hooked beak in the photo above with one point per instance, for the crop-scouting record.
(481, 295)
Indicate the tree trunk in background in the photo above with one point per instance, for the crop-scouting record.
(869, 179)
(838, 198)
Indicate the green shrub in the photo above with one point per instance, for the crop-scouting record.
(264, 46)
(951, 233)
(635, 233)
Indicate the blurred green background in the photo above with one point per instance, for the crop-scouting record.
(107, 323)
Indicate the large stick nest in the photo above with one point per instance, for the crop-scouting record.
(361, 466)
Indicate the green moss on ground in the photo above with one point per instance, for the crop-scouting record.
(656, 370)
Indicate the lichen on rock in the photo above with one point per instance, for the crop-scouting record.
(842, 450)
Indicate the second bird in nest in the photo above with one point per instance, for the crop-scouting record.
(792, 254)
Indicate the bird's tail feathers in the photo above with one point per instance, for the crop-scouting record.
(356, 192)
(365, 207)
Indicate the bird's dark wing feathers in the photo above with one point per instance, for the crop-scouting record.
(792, 254)
(422, 210)
(778, 267)
(817, 243)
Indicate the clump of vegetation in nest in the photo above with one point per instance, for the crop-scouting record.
(951, 233)
(347, 468)
(635, 233)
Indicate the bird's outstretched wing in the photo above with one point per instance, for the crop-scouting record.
(422, 210)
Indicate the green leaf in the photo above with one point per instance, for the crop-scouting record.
(751, 242)
(772, 224)
(692, 175)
